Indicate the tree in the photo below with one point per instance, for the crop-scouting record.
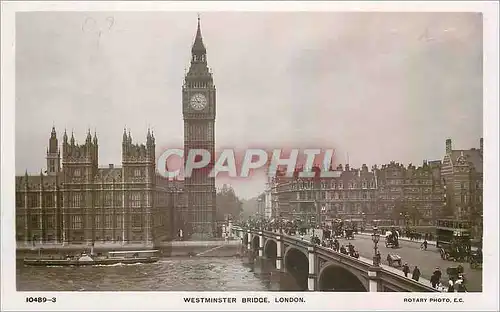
(228, 204)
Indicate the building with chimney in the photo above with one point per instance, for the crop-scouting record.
(393, 193)
(463, 176)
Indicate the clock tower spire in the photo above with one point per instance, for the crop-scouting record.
(198, 107)
(198, 46)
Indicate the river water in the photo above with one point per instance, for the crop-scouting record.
(169, 274)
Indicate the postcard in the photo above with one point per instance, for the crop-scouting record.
(282, 156)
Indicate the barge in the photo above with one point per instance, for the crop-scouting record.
(113, 257)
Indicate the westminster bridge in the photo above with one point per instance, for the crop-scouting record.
(317, 268)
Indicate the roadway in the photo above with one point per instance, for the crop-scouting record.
(365, 257)
(410, 252)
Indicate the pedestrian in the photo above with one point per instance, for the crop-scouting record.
(438, 274)
(434, 280)
(343, 250)
(406, 269)
(379, 257)
(416, 274)
(451, 286)
(460, 284)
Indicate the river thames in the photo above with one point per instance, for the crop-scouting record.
(169, 274)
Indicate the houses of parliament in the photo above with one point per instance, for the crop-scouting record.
(74, 200)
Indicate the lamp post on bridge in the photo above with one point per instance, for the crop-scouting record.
(259, 209)
(375, 239)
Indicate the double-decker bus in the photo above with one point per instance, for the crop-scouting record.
(450, 231)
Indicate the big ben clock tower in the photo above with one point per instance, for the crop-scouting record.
(198, 106)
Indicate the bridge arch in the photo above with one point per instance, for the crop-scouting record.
(270, 249)
(334, 277)
(296, 263)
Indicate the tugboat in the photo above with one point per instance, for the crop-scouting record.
(113, 257)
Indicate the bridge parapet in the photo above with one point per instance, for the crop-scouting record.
(374, 278)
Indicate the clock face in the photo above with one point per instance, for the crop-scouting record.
(198, 101)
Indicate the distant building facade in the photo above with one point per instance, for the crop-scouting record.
(408, 195)
(463, 176)
(80, 202)
(411, 195)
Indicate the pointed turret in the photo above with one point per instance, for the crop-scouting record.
(148, 138)
(26, 179)
(129, 137)
(52, 141)
(124, 139)
(65, 137)
(72, 140)
(95, 137)
(198, 46)
(89, 137)
(53, 156)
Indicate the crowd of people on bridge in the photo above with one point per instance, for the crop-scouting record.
(330, 235)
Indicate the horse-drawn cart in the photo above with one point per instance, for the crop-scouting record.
(454, 253)
(476, 259)
(394, 260)
(391, 240)
(349, 234)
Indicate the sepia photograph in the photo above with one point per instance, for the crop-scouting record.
(231, 159)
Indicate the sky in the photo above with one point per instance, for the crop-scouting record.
(376, 87)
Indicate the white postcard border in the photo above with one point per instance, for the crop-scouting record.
(136, 301)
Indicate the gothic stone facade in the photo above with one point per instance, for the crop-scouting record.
(79, 202)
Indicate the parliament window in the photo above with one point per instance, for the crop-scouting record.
(19, 199)
(135, 199)
(48, 200)
(77, 198)
(107, 222)
(107, 199)
(136, 220)
(33, 200)
(118, 200)
(34, 221)
(51, 222)
(77, 173)
(76, 222)
(119, 221)
(97, 221)
(137, 172)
